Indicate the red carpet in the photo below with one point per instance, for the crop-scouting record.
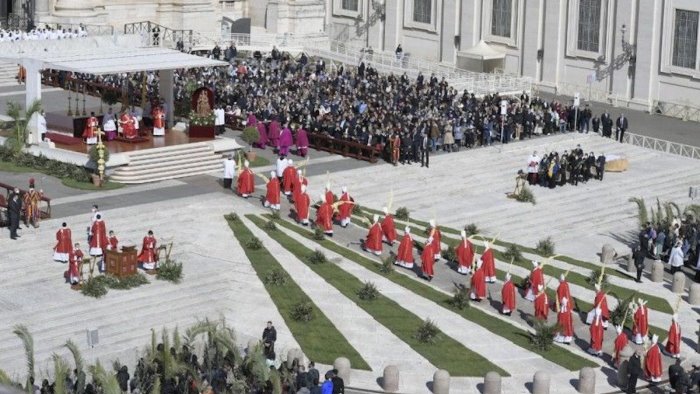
(132, 140)
(63, 139)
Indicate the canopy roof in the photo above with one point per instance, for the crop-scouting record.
(483, 51)
(101, 55)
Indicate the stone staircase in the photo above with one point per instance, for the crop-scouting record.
(168, 163)
(8, 74)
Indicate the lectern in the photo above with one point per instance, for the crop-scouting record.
(121, 264)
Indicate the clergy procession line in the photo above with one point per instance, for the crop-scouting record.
(482, 270)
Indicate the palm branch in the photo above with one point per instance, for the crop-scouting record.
(642, 213)
(5, 379)
(108, 382)
(28, 341)
(61, 371)
(77, 357)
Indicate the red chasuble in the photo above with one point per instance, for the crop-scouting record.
(99, 235)
(324, 217)
(273, 191)
(405, 252)
(541, 306)
(478, 283)
(508, 297)
(465, 254)
(64, 242)
(148, 250)
(301, 205)
(653, 366)
(673, 345)
(246, 182)
(427, 260)
(373, 243)
(389, 228)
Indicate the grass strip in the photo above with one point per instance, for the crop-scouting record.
(91, 186)
(446, 353)
(566, 358)
(319, 339)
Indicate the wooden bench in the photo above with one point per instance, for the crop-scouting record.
(344, 147)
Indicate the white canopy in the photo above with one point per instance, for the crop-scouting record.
(100, 55)
(482, 51)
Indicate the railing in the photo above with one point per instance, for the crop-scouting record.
(343, 147)
(675, 110)
(91, 29)
(673, 148)
(154, 34)
(597, 95)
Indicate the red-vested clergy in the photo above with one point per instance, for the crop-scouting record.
(427, 258)
(404, 256)
(301, 205)
(489, 263)
(640, 326)
(330, 198)
(388, 227)
(245, 185)
(148, 256)
(541, 304)
(597, 333)
(620, 343)
(113, 241)
(508, 298)
(299, 181)
(64, 244)
(324, 216)
(477, 283)
(673, 344)
(272, 195)
(288, 176)
(373, 242)
(536, 279)
(435, 239)
(98, 239)
(602, 301)
(75, 259)
(158, 121)
(345, 209)
(653, 366)
(564, 322)
(465, 254)
(563, 289)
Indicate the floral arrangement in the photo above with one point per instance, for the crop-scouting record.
(201, 120)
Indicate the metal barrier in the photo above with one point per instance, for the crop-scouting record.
(676, 110)
(92, 29)
(159, 35)
(673, 148)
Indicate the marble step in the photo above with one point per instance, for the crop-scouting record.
(170, 174)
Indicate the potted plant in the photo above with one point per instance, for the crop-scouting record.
(250, 137)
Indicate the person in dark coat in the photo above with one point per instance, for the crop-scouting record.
(607, 123)
(621, 126)
(14, 211)
(338, 384)
(634, 370)
(674, 373)
(639, 256)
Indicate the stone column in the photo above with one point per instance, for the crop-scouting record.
(342, 364)
(625, 355)
(678, 286)
(33, 90)
(441, 382)
(251, 345)
(74, 8)
(294, 354)
(390, 380)
(42, 8)
(492, 383)
(168, 94)
(694, 294)
(657, 271)
(586, 381)
(540, 383)
(607, 254)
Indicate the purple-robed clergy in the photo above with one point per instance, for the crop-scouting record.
(285, 141)
(251, 121)
(302, 142)
(262, 135)
(273, 134)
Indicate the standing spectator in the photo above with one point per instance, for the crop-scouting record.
(634, 369)
(312, 377)
(399, 53)
(269, 333)
(596, 124)
(675, 259)
(14, 210)
(425, 152)
(338, 384)
(639, 256)
(607, 123)
(327, 387)
(229, 171)
(621, 127)
(674, 373)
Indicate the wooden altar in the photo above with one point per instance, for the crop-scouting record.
(121, 264)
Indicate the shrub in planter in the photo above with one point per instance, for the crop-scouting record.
(620, 316)
(94, 287)
(545, 247)
(543, 337)
(317, 257)
(275, 277)
(513, 252)
(303, 311)
(254, 243)
(249, 135)
(368, 292)
(402, 213)
(387, 266)
(460, 297)
(427, 332)
(170, 271)
(471, 229)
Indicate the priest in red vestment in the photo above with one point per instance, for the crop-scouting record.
(536, 279)
(75, 260)
(435, 239)
(564, 322)
(653, 364)
(489, 263)
(272, 194)
(127, 124)
(89, 132)
(600, 301)
(640, 326)
(620, 343)
(245, 185)
(324, 216)
(300, 181)
(301, 205)
(158, 116)
(330, 197)
(404, 256)
(465, 254)
(541, 304)
(373, 242)
(597, 333)
(563, 289)
(673, 344)
(288, 176)
(98, 236)
(345, 209)
(113, 241)
(388, 227)
(427, 259)
(148, 256)
(508, 294)
(477, 283)
(64, 244)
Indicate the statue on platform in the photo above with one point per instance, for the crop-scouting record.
(203, 107)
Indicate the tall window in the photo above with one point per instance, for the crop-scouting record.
(350, 5)
(685, 39)
(501, 17)
(589, 25)
(422, 11)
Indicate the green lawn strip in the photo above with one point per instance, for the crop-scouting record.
(6, 166)
(91, 186)
(259, 161)
(518, 336)
(319, 339)
(446, 353)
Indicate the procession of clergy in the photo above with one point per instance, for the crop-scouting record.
(292, 183)
(99, 240)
